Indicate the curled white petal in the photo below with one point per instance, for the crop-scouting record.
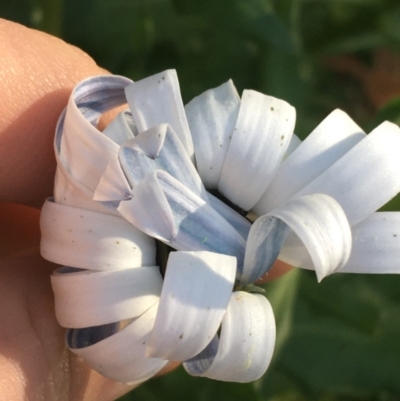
(321, 225)
(159, 148)
(157, 100)
(91, 240)
(212, 117)
(113, 185)
(261, 136)
(155, 220)
(266, 238)
(246, 343)
(329, 141)
(366, 177)
(196, 291)
(68, 190)
(121, 357)
(122, 128)
(85, 151)
(236, 220)
(294, 143)
(376, 245)
(180, 218)
(88, 298)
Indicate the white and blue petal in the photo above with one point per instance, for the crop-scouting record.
(212, 118)
(196, 291)
(122, 128)
(246, 344)
(294, 143)
(259, 141)
(321, 238)
(366, 177)
(179, 218)
(157, 100)
(117, 351)
(238, 221)
(91, 240)
(85, 151)
(86, 298)
(376, 245)
(333, 137)
(159, 148)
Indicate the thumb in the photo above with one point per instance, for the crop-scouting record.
(37, 74)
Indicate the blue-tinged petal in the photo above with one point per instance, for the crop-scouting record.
(149, 209)
(159, 148)
(294, 143)
(121, 355)
(122, 128)
(157, 100)
(196, 291)
(165, 209)
(84, 150)
(330, 140)
(93, 298)
(113, 184)
(266, 238)
(376, 245)
(236, 220)
(92, 240)
(246, 344)
(321, 238)
(212, 117)
(260, 139)
(366, 177)
(68, 190)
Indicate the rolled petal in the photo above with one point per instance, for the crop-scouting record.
(333, 138)
(376, 245)
(266, 238)
(366, 177)
(122, 128)
(236, 220)
(84, 150)
(294, 143)
(135, 164)
(156, 100)
(260, 139)
(196, 291)
(165, 209)
(212, 117)
(246, 344)
(149, 209)
(121, 356)
(68, 190)
(91, 240)
(159, 148)
(321, 225)
(88, 298)
(113, 184)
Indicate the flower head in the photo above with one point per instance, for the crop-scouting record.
(180, 175)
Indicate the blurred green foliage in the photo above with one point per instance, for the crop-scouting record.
(338, 340)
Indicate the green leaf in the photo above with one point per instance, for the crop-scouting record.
(260, 21)
(282, 295)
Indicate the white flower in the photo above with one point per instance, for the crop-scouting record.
(136, 180)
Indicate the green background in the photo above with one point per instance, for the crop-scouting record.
(338, 340)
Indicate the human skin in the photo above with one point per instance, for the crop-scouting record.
(37, 74)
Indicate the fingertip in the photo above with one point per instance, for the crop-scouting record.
(37, 75)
